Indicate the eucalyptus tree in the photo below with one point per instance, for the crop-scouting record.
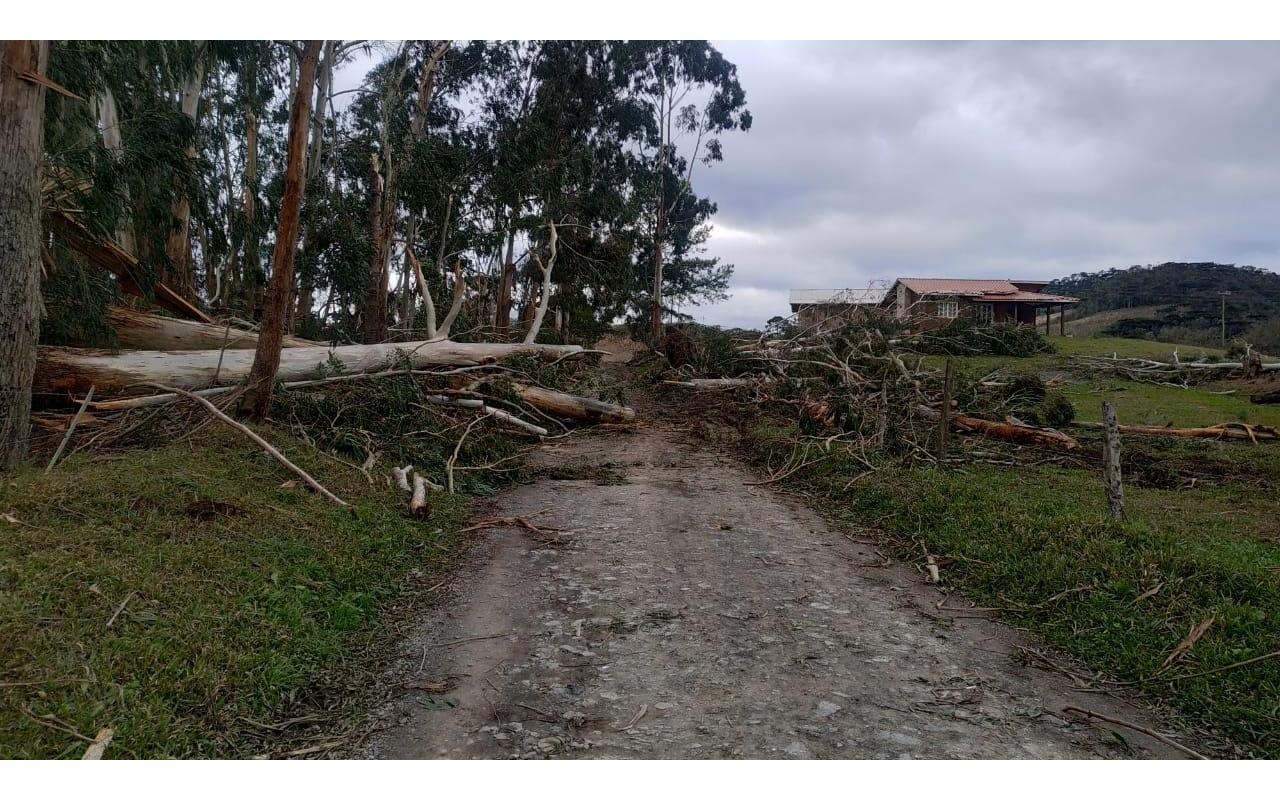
(21, 153)
(266, 362)
(691, 92)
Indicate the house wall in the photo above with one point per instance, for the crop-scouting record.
(830, 316)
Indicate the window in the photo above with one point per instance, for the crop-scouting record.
(983, 312)
(948, 309)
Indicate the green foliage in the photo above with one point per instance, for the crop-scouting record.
(705, 350)
(1057, 411)
(966, 336)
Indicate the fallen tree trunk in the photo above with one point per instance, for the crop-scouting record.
(138, 330)
(560, 404)
(62, 370)
(1019, 434)
(1266, 398)
(1223, 430)
(711, 384)
(120, 263)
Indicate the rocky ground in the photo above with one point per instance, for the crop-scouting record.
(670, 609)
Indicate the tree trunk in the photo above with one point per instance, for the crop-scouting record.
(251, 265)
(659, 234)
(137, 330)
(560, 404)
(21, 153)
(178, 242)
(407, 277)
(455, 306)
(64, 369)
(545, 299)
(108, 113)
(373, 306)
(1020, 434)
(506, 281)
(307, 289)
(266, 362)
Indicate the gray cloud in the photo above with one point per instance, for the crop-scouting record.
(872, 160)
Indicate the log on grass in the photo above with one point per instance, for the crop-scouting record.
(1266, 398)
(560, 404)
(1223, 430)
(63, 370)
(715, 384)
(138, 330)
(1018, 434)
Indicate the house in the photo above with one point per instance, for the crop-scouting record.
(824, 309)
(936, 299)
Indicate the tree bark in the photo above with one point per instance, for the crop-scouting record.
(21, 153)
(455, 306)
(545, 299)
(178, 242)
(250, 265)
(62, 370)
(266, 362)
(560, 404)
(506, 281)
(1020, 434)
(407, 307)
(659, 235)
(307, 288)
(373, 307)
(137, 330)
(1111, 462)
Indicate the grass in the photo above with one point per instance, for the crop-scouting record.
(1137, 403)
(1151, 404)
(233, 596)
(1021, 536)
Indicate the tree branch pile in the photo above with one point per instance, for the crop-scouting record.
(1175, 372)
(870, 388)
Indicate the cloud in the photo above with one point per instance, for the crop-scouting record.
(873, 160)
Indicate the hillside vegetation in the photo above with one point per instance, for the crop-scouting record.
(1182, 302)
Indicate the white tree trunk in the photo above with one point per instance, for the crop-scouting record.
(140, 331)
(459, 292)
(545, 300)
(62, 370)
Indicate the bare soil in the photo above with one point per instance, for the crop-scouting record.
(681, 612)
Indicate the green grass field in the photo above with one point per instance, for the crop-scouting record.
(1136, 403)
(185, 598)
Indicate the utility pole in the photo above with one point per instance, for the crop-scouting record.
(1223, 294)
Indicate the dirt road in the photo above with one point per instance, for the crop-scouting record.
(689, 615)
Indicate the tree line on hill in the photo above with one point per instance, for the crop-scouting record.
(1192, 299)
(455, 168)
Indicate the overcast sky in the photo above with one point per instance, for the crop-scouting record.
(877, 160)
(869, 161)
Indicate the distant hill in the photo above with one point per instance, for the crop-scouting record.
(1187, 302)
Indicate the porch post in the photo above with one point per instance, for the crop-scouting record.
(1062, 320)
(1047, 316)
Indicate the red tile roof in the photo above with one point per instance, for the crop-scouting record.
(989, 290)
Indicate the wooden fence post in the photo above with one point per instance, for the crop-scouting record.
(944, 422)
(1111, 461)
